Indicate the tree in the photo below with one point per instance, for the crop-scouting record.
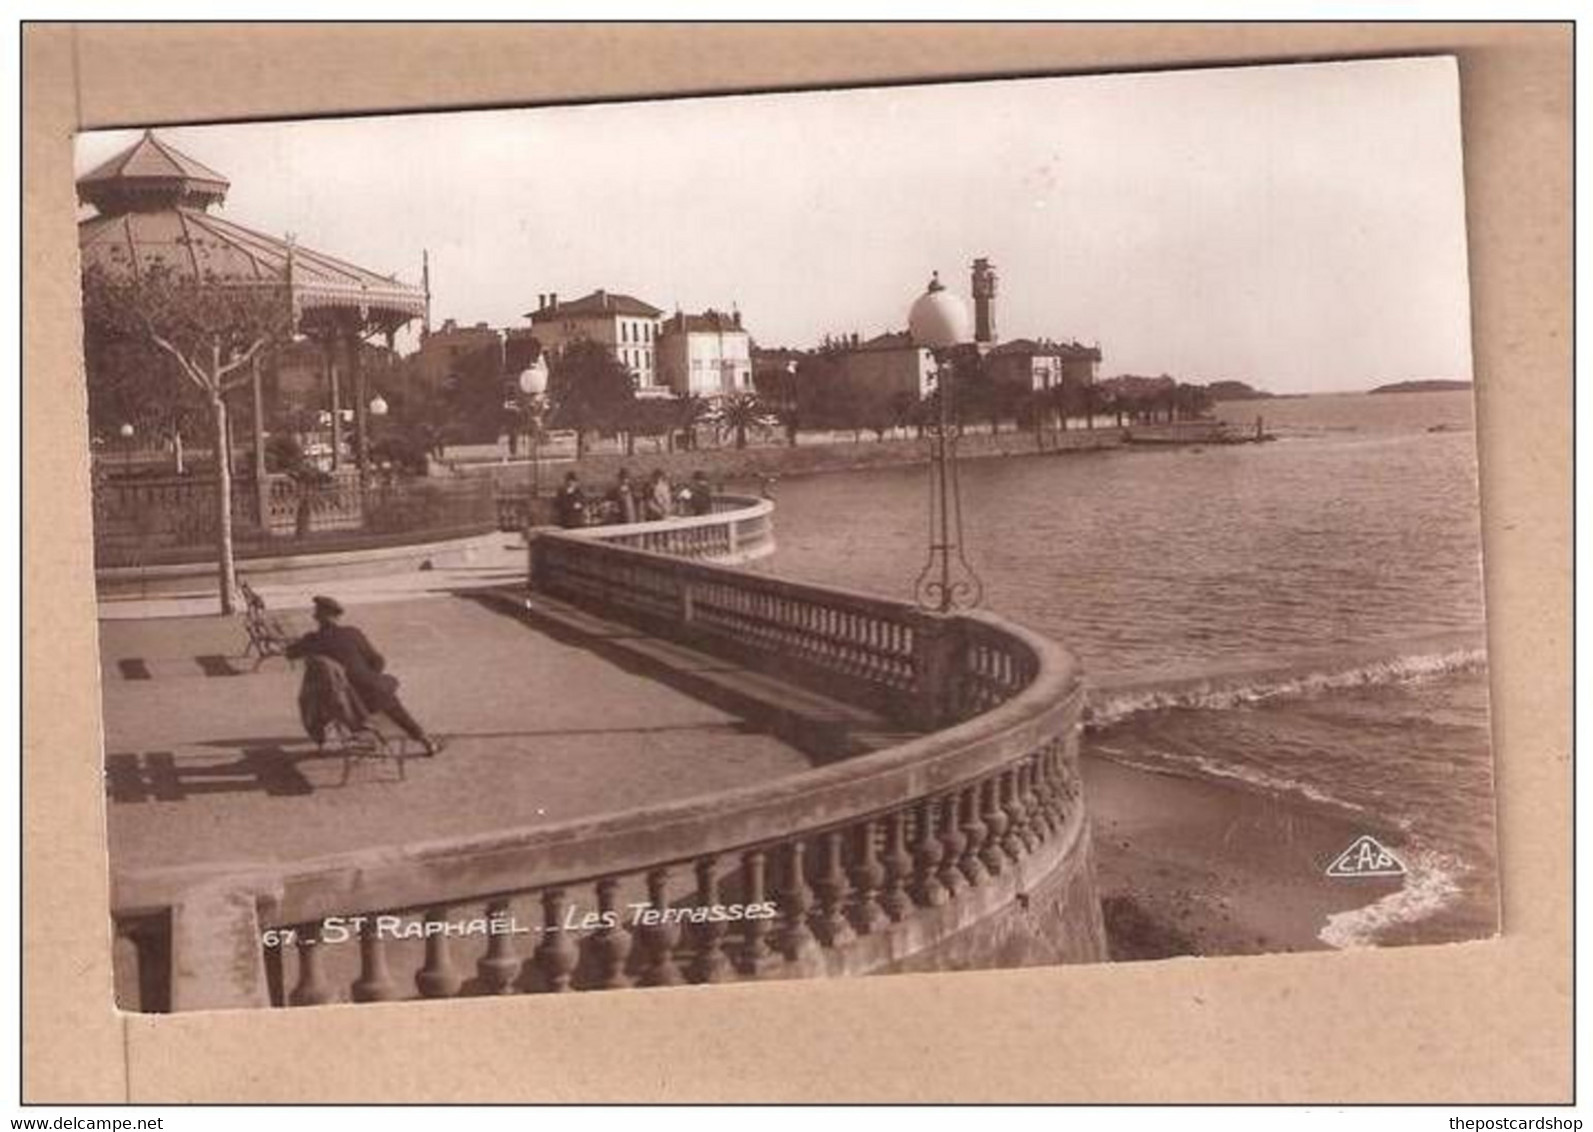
(777, 392)
(475, 397)
(693, 410)
(590, 391)
(212, 333)
(133, 382)
(740, 414)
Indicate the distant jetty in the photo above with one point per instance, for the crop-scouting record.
(1433, 385)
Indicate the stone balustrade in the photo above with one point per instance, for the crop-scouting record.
(965, 844)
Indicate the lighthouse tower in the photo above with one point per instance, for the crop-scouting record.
(984, 296)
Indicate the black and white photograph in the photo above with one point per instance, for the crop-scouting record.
(925, 528)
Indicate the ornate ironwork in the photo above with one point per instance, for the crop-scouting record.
(948, 581)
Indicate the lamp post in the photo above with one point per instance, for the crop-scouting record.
(126, 432)
(377, 409)
(533, 383)
(939, 322)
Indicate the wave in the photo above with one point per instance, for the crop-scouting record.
(1430, 886)
(1107, 706)
(1250, 777)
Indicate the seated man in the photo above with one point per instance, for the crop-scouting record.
(363, 665)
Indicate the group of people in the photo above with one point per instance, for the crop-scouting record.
(630, 502)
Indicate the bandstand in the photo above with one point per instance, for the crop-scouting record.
(155, 210)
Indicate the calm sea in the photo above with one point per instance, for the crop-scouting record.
(1303, 617)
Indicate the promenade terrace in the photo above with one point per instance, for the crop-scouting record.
(908, 798)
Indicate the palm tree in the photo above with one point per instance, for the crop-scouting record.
(693, 410)
(738, 414)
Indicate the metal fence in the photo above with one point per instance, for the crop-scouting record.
(167, 521)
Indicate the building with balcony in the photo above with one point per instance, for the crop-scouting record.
(625, 324)
(1039, 364)
(706, 355)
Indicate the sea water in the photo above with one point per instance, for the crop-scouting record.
(1302, 617)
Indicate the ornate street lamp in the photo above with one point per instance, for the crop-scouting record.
(939, 322)
(533, 383)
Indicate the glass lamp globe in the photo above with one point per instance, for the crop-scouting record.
(534, 381)
(939, 319)
(126, 430)
(378, 406)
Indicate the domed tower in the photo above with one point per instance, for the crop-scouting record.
(984, 296)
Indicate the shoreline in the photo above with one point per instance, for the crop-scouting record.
(1196, 868)
(753, 465)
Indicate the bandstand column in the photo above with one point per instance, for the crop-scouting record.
(329, 348)
(261, 487)
(352, 341)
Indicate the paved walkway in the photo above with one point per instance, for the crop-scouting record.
(502, 562)
(206, 761)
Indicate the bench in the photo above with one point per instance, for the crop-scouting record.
(266, 637)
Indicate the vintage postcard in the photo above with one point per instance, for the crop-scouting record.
(843, 532)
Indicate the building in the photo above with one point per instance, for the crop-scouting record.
(1042, 364)
(887, 365)
(707, 355)
(442, 352)
(625, 324)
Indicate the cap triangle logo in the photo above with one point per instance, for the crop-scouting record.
(1366, 857)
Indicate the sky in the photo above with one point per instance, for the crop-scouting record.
(1299, 227)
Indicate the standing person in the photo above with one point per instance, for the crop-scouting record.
(660, 498)
(698, 496)
(624, 497)
(569, 506)
(362, 664)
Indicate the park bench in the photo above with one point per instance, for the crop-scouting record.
(266, 636)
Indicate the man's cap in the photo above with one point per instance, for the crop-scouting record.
(328, 605)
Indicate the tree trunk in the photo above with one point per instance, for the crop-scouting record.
(227, 571)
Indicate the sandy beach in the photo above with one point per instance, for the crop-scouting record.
(1188, 867)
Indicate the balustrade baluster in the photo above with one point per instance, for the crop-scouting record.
(500, 966)
(375, 983)
(868, 874)
(975, 832)
(893, 897)
(952, 843)
(557, 955)
(1020, 836)
(439, 978)
(795, 939)
(660, 939)
(1012, 808)
(756, 956)
(709, 963)
(927, 888)
(312, 988)
(1029, 829)
(992, 853)
(612, 942)
(831, 887)
(1047, 805)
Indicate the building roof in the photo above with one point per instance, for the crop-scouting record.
(150, 173)
(200, 246)
(1030, 347)
(599, 304)
(890, 340)
(709, 322)
(162, 222)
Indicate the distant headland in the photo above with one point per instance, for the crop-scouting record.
(1235, 391)
(1431, 385)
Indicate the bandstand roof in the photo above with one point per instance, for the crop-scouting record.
(152, 202)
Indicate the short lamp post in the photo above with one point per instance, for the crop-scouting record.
(126, 432)
(533, 384)
(939, 322)
(378, 409)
